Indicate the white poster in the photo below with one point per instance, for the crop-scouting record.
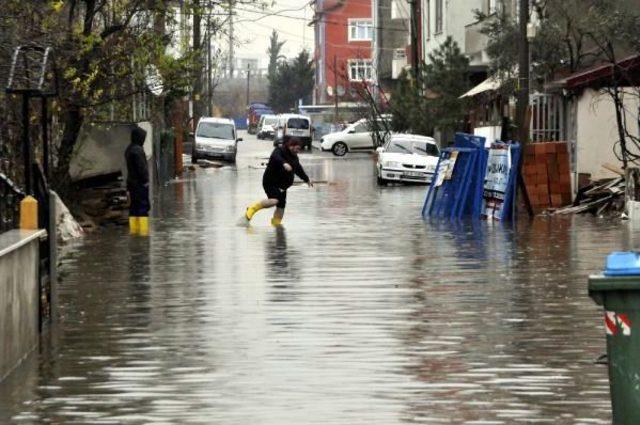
(496, 180)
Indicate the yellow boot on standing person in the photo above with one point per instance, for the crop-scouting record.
(134, 225)
(276, 221)
(138, 183)
(144, 226)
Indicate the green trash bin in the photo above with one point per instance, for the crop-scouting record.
(618, 291)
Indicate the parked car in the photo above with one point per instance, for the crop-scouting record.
(267, 127)
(358, 136)
(407, 158)
(215, 138)
(294, 125)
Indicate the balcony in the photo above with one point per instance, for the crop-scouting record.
(400, 9)
(475, 44)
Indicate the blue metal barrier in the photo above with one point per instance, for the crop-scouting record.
(463, 193)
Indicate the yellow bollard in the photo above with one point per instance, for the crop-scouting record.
(144, 226)
(29, 213)
(134, 225)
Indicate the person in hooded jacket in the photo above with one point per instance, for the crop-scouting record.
(278, 177)
(138, 183)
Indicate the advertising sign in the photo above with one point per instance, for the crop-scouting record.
(496, 180)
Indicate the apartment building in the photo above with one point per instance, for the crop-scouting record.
(392, 43)
(344, 35)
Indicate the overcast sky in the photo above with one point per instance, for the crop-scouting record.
(291, 20)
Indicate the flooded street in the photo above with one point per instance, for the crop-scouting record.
(356, 312)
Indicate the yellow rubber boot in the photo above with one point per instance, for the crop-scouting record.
(144, 226)
(134, 225)
(253, 209)
(276, 222)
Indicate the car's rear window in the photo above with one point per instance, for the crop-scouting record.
(411, 146)
(298, 123)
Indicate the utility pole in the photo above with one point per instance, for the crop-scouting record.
(335, 86)
(209, 71)
(414, 37)
(523, 74)
(248, 83)
(230, 65)
(523, 96)
(197, 49)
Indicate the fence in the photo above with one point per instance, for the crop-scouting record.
(547, 118)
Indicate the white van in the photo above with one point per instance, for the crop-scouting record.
(266, 126)
(296, 126)
(215, 138)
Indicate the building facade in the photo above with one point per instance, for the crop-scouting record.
(392, 43)
(344, 34)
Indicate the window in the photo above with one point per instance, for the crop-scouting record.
(215, 130)
(428, 19)
(360, 30)
(360, 69)
(492, 6)
(298, 123)
(362, 127)
(438, 24)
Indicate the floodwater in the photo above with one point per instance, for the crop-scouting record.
(356, 312)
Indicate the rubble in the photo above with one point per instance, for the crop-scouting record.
(600, 198)
(100, 203)
(67, 227)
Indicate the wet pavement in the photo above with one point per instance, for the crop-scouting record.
(356, 312)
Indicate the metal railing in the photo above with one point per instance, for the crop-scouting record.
(10, 197)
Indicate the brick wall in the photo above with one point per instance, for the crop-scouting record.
(547, 175)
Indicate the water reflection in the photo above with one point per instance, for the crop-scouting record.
(358, 313)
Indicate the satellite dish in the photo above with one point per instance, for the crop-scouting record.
(330, 90)
(153, 80)
(341, 91)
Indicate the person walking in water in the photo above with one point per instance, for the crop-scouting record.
(138, 183)
(278, 177)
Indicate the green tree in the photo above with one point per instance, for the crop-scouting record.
(103, 50)
(446, 78)
(432, 101)
(291, 82)
(274, 52)
(572, 35)
(409, 106)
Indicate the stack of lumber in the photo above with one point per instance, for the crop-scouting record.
(547, 175)
(604, 196)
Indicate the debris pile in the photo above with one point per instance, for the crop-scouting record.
(600, 198)
(102, 203)
(67, 227)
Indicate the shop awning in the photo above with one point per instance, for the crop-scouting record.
(490, 84)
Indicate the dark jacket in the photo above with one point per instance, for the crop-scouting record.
(137, 167)
(276, 175)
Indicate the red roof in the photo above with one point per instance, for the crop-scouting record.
(600, 75)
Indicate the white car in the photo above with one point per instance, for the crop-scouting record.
(215, 138)
(267, 126)
(407, 158)
(356, 137)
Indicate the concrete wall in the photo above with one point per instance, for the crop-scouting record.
(597, 131)
(100, 149)
(19, 257)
